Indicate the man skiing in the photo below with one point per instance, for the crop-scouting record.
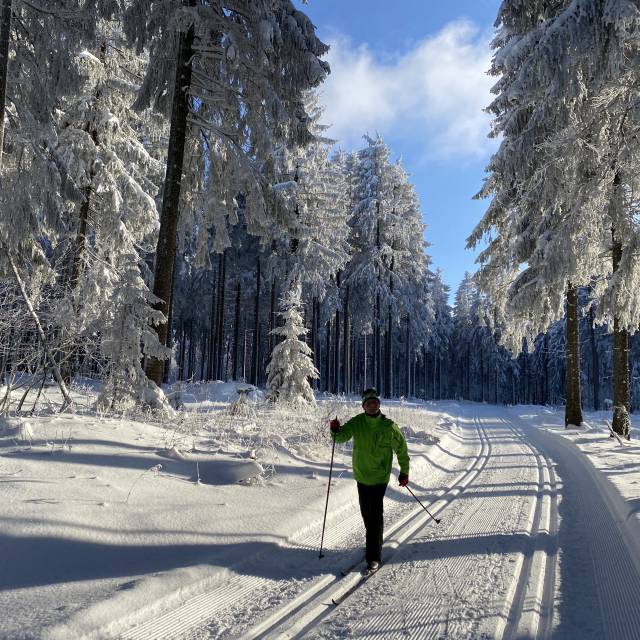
(375, 437)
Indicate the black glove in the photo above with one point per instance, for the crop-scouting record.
(334, 425)
(403, 479)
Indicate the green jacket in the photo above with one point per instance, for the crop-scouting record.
(374, 440)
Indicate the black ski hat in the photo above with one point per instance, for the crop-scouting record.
(369, 394)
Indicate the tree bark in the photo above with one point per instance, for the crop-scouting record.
(407, 390)
(5, 36)
(236, 336)
(388, 379)
(166, 369)
(220, 339)
(170, 212)
(244, 351)
(256, 330)
(271, 341)
(183, 340)
(365, 379)
(327, 360)
(203, 353)
(346, 358)
(621, 401)
(377, 348)
(595, 361)
(313, 338)
(573, 410)
(336, 344)
(545, 369)
(192, 353)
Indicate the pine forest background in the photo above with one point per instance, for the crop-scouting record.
(174, 208)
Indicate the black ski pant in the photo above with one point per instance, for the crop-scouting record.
(371, 498)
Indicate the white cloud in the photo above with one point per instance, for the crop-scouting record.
(433, 94)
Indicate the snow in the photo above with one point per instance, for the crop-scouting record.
(207, 524)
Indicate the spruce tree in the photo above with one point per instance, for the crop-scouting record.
(291, 367)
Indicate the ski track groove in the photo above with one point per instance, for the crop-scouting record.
(283, 626)
(458, 618)
(532, 600)
(615, 568)
(476, 605)
(180, 620)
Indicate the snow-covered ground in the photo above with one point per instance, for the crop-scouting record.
(206, 524)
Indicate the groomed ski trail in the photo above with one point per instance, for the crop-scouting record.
(468, 578)
(530, 546)
(534, 548)
(230, 609)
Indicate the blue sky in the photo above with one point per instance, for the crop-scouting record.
(418, 77)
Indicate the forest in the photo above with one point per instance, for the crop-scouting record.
(174, 208)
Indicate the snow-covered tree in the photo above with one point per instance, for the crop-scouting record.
(561, 178)
(291, 367)
(311, 204)
(440, 332)
(106, 151)
(240, 73)
(127, 335)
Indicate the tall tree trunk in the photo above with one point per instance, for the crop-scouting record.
(5, 35)
(212, 326)
(573, 410)
(355, 346)
(81, 239)
(336, 344)
(244, 351)
(271, 339)
(375, 346)
(327, 359)
(407, 389)
(170, 212)
(621, 402)
(203, 353)
(481, 349)
(388, 356)
(192, 354)
(388, 381)
(221, 308)
(314, 338)
(425, 373)
(183, 339)
(595, 361)
(256, 330)
(365, 379)
(468, 367)
(435, 368)
(545, 369)
(346, 358)
(236, 336)
(169, 343)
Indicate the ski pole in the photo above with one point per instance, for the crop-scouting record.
(420, 503)
(326, 505)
